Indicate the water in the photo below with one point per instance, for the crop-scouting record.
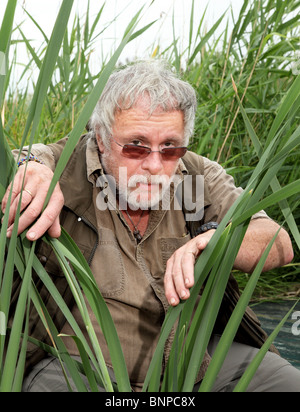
(288, 339)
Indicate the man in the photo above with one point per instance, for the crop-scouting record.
(142, 255)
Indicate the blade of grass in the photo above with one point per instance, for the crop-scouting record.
(5, 33)
(89, 106)
(233, 324)
(89, 373)
(97, 303)
(7, 278)
(8, 373)
(19, 374)
(203, 266)
(285, 192)
(211, 309)
(274, 183)
(252, 368)
(206, 38)
(46, 71)
(191, 27)
(286, 105)
(60, 349)
(79, 298)
(196, 313)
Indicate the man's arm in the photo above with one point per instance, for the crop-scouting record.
(259, 234)
(179, 276)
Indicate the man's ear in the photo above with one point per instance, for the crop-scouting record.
(100, 143)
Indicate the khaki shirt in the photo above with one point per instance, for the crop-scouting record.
(131, 275)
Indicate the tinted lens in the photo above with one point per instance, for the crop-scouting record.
(173, 153)
(136, 152)
(141, 152)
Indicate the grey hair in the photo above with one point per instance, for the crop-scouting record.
(152, 79)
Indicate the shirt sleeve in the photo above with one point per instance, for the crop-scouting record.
(222, 192)
(48, 154)
(42, 152)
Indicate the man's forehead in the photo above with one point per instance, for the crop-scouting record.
(145, 102)
(137, 123)
(146, 112)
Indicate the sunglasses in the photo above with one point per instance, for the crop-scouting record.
(137, 152)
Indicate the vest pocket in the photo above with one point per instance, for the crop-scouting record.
(168, 246)
(108, 266)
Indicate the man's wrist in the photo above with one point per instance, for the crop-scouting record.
(206, 227)
(30, 158)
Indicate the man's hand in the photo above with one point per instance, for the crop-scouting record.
(179, 276)
(36, 184)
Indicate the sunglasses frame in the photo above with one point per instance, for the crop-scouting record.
(147, 151)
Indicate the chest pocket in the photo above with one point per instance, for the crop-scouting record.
(108, 266)
(168, 246)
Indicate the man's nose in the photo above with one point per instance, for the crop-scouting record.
(153, 163)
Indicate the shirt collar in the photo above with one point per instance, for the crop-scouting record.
(94, 166)
(182, 170)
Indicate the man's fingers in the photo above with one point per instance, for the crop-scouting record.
(179, 277)
(15, 191)
(33, 189)
(30, 214)
(26, 200)
(55, 230)
(187, 265)
(170, 290)
(42, 226)
(183, 273)
(49, 219)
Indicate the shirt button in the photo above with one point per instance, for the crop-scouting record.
(43, 260)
